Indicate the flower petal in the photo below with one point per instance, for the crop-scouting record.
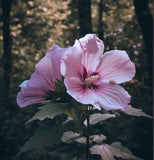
(111, 96)
(49, 66)
(45, 69)
(36, 89)
(116, 66)
(71, 63)
(33, 91)
(25, 100)
(55, 54)
(93, 48)
(77, 89)
(23, 84)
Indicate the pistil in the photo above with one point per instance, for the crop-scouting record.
(91, 79)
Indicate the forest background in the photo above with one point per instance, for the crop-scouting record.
(29, 28)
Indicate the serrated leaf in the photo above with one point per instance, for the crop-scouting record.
(81, 140)
(135, 112)
(108, 152)
(46, 135)
(50, 110)
(97, 117)
(102, 151)
(98, 138)
(70, 136)
(120, 147)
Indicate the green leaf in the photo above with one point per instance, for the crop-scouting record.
(70, 136)
(50, 110)
(136, 112)
(48, 134)
(97, 117)
(60, 86)
(120, 147)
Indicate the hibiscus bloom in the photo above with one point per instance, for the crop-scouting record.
(36, 89)
(92, 77)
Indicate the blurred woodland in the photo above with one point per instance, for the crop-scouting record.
(29, 28)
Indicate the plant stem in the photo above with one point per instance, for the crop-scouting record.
(87, 136)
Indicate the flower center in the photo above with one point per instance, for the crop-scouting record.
(91, 79)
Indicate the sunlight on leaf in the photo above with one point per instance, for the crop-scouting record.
(136, 112)
(97, 117)
(108, 152)
(71, 136)
(98, 138)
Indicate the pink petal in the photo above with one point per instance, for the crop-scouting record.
(92, 51)
(33, 91)
(55, 54)
(80, 92)
(116, 66)
(111, 96)
(71, 63)
(45, 69)
(25, 100)
(36, 89)
(49, 66)
(38, 81)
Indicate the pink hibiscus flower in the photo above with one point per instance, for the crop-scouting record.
(92, 77)
(41, 82)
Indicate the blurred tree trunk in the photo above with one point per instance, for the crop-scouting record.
(100, 23)
(146, 23)
(7, 47)
(84, 11)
